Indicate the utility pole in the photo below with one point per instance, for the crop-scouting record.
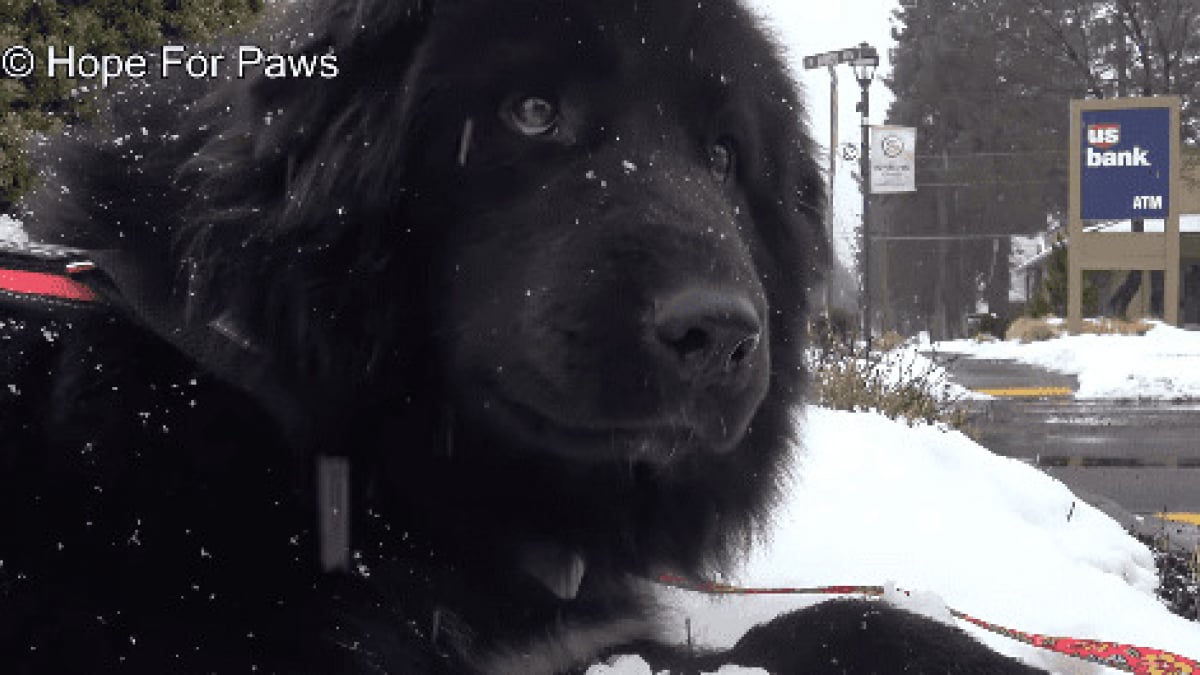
(833, 149)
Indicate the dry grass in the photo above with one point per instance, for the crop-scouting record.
(888, 341)
(1027, 329)
(845, 378)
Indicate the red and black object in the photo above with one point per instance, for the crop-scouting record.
(46, 276)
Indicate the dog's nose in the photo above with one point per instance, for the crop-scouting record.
(707, 335)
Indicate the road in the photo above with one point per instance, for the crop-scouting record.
(1145, 456)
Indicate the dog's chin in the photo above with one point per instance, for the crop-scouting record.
(658, 439)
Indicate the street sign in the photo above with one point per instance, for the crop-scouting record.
(860, 55)
(1125, 163)
(821, 60)
(893, 159)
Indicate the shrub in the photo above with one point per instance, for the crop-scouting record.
(1051, 296)
(845, 376)
(888, 341)
(40, 103)
(1028, 329)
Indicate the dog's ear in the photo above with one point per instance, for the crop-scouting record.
(314, 140)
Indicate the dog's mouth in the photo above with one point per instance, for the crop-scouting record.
(659, 439)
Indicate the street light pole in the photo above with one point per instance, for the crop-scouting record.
(864, 167)
(864, 71)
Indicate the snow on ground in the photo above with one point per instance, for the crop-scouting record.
(872, 501)
(1188, 222)
(1162, 364)
(11, 231)
(636, 665)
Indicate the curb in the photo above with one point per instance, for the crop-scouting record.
(1027, 392)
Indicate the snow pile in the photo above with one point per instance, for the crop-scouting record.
(636, 665)
(1162, 364)
(872, 499)
(11, 231)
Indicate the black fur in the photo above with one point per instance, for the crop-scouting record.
(580, 345)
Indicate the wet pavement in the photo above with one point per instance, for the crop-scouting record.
(1135, 457)
(998, 374)
(1064, 432)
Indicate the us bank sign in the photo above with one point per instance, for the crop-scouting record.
(1124, 166)
(1125, 163)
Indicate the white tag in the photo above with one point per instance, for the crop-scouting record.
(333, 512)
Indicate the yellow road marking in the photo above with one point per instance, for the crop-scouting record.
(1189, 518)
(1028, 391)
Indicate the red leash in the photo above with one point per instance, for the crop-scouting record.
(44, 274)
(44, 285)
(1129, 658)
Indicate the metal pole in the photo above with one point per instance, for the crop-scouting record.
(865, 171)
(833, 148)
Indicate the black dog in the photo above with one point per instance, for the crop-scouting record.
(427, 366)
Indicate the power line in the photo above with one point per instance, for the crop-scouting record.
(1015, 153)
(944, 237)
(985, 183)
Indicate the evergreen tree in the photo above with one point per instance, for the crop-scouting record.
(38, 103)
(1051, 295)
(987, 83)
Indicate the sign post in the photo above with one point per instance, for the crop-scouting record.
(1125, 159)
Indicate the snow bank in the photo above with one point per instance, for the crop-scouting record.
(636, 665)
(1162, 364)
(872, 500)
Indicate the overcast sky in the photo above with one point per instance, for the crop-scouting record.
(805, 27)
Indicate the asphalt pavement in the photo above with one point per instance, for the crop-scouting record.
(1133, 459)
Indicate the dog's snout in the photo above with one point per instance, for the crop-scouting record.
(706, 335)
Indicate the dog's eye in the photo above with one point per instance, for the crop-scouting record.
(533, 115)
(720, 160)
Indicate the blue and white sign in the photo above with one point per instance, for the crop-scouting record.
(1126, 163)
